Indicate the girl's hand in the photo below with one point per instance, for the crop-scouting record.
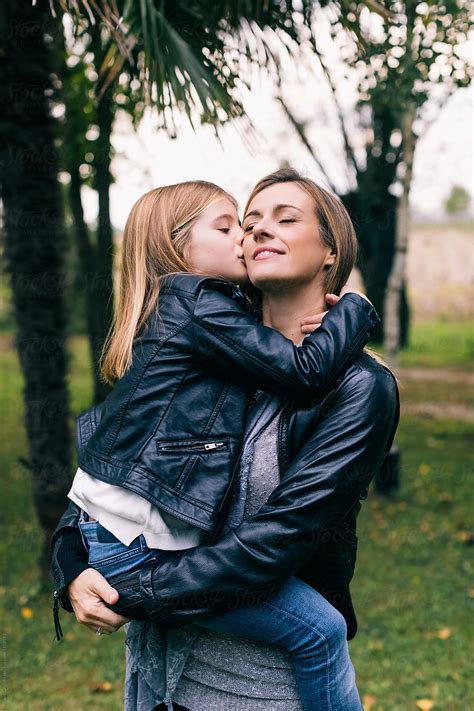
(87, 594)
(311, 323)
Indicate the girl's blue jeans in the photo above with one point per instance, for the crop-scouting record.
(296, 618)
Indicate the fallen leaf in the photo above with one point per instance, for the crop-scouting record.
(444, 633)
(465, 537)
(445, 498)
(26, 613)
(368, 700)
(470, 592)
(101, 687)
(425, 704)
(424, 469)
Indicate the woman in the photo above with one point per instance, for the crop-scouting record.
(327, 458)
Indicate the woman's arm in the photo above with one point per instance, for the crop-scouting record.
(79, 588)
(321, 485)
(227, 336)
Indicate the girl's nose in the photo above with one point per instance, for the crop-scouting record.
(239, 237)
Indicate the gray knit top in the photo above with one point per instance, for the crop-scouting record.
(205, 670)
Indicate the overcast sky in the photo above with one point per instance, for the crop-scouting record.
(149, 158)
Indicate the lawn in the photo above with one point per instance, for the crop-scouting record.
(413, 588)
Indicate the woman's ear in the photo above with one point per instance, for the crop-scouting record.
(329, 260)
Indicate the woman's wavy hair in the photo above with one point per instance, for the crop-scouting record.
(335, 226)
(335, 230)
(157, 232)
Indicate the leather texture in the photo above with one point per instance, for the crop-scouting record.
(330, 453)
(171, 429)
(193, 369)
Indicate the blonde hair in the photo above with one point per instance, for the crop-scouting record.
(335, 229)
(157, 232)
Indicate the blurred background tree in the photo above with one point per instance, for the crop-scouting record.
(458, 201)
(35, 247)
(403, 68)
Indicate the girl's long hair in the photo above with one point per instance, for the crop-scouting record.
(156, 234)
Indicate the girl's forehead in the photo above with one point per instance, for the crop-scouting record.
(223, 206)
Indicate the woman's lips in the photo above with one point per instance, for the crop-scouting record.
(266, 254)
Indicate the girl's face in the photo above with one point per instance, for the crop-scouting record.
(214, 247)
(281, 244)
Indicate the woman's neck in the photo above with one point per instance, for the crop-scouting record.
(284, 309)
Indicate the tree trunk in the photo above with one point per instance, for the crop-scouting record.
(374, 222)
(87, 254)
(34, 251)
(103, 283)
(398, 273)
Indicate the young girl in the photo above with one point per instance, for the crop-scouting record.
(158, 460)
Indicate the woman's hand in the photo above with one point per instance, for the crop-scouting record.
(87, 594)
(311, 323)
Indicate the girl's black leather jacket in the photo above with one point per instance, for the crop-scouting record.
(170, 430)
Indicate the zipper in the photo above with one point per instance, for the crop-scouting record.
(202, 447)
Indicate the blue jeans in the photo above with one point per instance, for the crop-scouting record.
(296, 618)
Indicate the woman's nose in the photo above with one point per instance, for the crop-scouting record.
(260, 231)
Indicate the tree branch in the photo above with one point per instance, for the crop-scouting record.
(299, 128)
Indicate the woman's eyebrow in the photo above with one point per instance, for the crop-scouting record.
(277, 208)
(252, 213)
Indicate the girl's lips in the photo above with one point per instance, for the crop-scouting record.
(266, 254)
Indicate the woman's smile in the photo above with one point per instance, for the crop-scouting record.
(266, 253)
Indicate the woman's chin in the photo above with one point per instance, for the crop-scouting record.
(271, 282)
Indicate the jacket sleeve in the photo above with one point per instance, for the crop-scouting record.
(69, 557)
(228, 336)
(320, 486)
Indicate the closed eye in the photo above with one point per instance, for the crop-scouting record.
(287, 219)
(248, 228)
(225, 230)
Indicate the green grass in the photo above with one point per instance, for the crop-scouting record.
(413, 579)
(440, 344)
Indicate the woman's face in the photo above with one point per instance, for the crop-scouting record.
(214, 247)
(281, 244)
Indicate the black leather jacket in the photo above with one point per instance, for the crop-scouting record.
(171, 430)
(329, 451)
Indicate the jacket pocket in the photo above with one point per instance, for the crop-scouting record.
(193, 446)
(194, 464)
